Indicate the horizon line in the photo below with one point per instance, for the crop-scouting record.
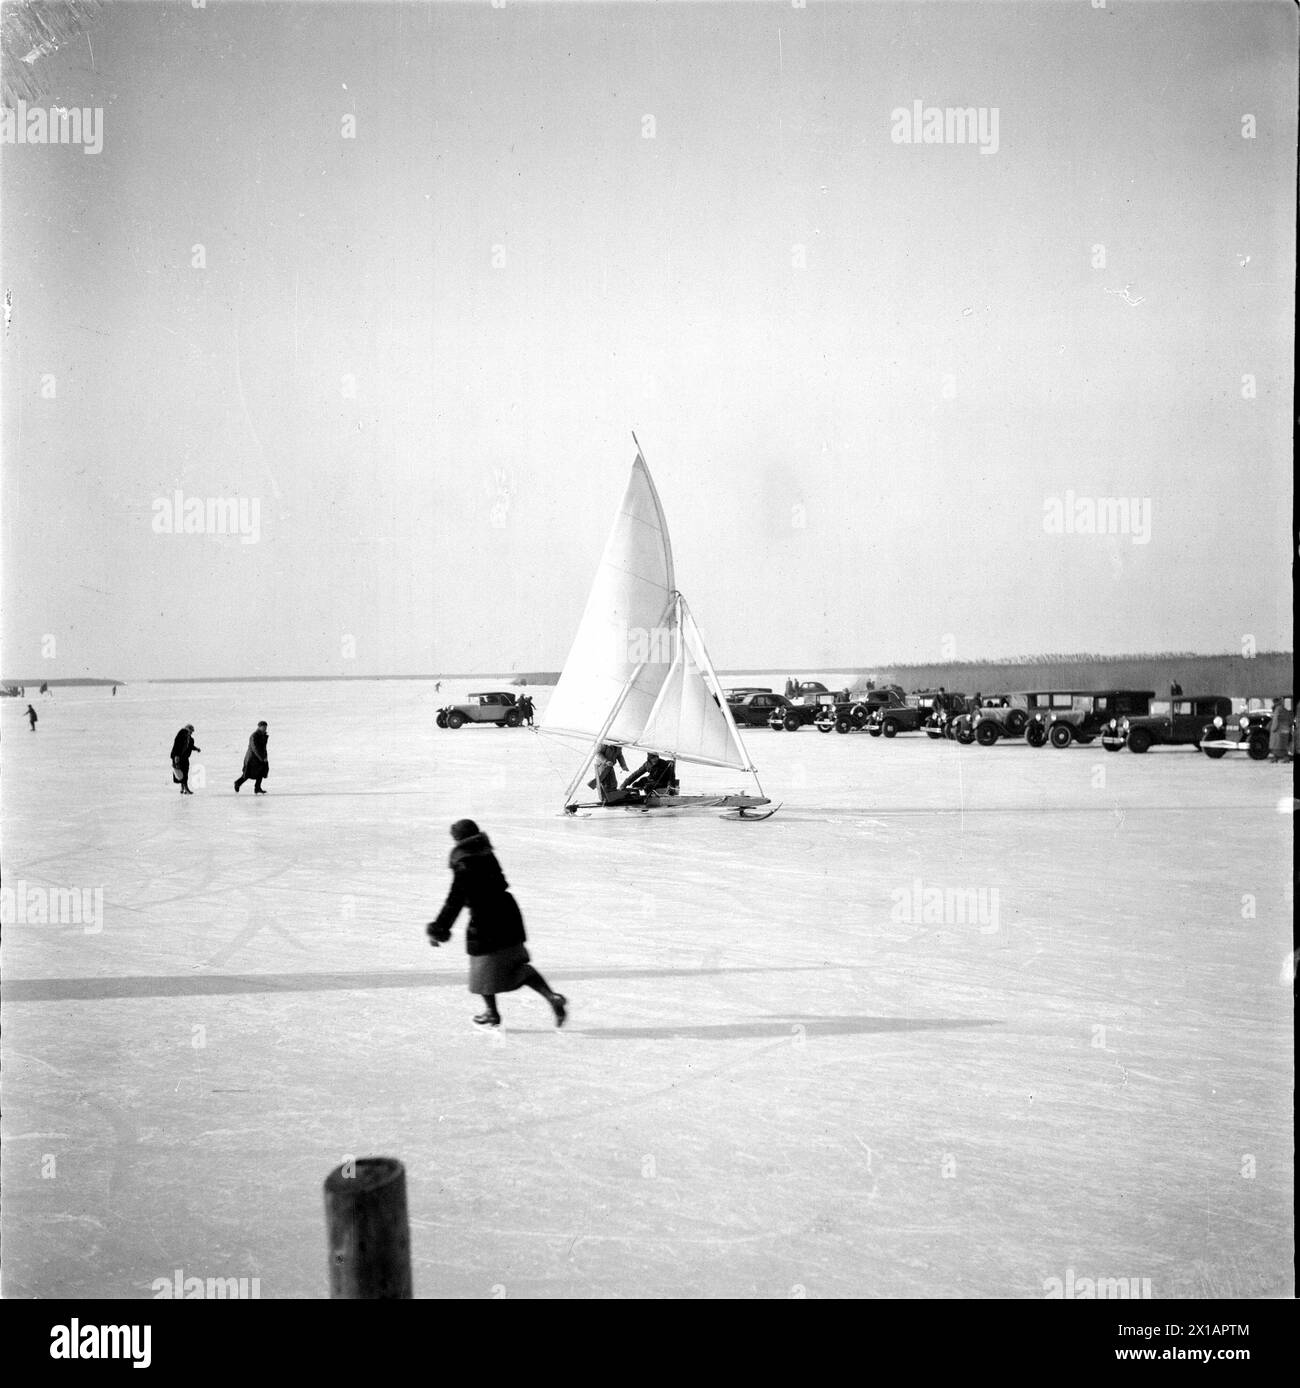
(874, 668)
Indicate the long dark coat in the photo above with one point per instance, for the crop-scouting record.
(477, 882)
(183, 746)
(1279, 731)
(256, 766)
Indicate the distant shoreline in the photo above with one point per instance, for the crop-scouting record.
(1196, 672)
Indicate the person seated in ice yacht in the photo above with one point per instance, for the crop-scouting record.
(608, 757)
(656, 776)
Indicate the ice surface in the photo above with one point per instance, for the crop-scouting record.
(771, 1081)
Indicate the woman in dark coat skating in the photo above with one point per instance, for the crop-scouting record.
(494, 938)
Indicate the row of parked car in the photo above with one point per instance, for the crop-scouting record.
(1119, 718)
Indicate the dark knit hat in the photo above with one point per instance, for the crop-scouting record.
(464, 829)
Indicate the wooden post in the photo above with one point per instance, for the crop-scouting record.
(369, 1237)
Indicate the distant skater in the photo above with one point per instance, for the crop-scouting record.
(182, 746)
(115, 691)
(31, 716)
(45, 688)
(494, 937)
(256, 766)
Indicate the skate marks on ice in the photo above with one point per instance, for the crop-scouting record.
(792, 1028)
(205, 985)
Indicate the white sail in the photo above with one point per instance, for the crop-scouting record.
(622, 635)
(638, 673)
(690, 720)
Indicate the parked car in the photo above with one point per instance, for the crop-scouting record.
(808, 692)
(1063, 716)
(757, 711)
(497, 707)
(945, 706)
(1248, 732)
(854, 715)
(1003, 716)
(741, 690)
(917, 709)
(961, 725)
(1182, 726)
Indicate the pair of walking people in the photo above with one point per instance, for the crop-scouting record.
(256, 765)
(499, 961)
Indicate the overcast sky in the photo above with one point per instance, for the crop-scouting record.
(861, 369)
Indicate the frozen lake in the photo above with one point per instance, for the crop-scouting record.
(776, 1079)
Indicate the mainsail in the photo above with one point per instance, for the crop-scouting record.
(638, 673)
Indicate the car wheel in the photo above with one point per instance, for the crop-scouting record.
(1258, 749)
(889, 727)
(1016, 721)
(824, 727)
(455, 719)
(844, 725)
(513, 718)
(441, 720)
(1214, 753)
(1036, 734)
(1139, 741)
(1061, 735)
(874, 729)
(965, 737)
(1113, 746)
(986, 734)
(792, 724)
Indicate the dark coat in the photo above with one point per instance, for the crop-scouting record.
(183, 746)
(478, 882)
(653, 775)
(1279, 731)
(256, 765)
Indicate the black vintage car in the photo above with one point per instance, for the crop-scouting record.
(918, 709)
(854, 715)
(758, 711)
(1247, 732)
(1004, 716)
(1080, 715)
(1181, 726)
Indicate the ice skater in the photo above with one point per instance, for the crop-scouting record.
(256, 767)
(31, 716)
(182, 746)
(494, 937)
